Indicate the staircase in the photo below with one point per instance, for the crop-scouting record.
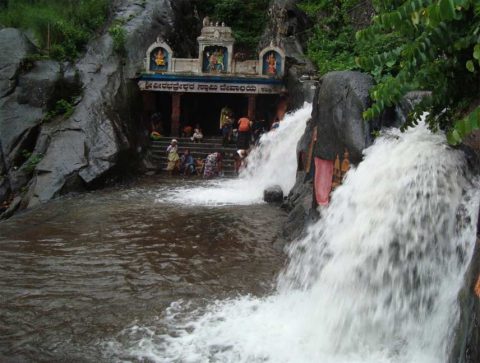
(158, 151)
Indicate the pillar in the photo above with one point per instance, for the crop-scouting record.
(281, 109)
(176, 108)
(251, 106)
(148, 109)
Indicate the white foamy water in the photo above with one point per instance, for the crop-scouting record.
(374, 281)
(272, 162)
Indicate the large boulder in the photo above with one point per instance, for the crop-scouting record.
(273, 194)
(299, 205)
(339, 103)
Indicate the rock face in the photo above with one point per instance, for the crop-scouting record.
(15, 47)
(273, 194)
(101, 137)
(466, 344)
(339, 103)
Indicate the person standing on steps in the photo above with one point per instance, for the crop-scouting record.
(227, 130)
(172, 157)
(244, 136)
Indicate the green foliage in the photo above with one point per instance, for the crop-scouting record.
(118, 34)
(331, 45)
(30, 160)
(438, 49)
(62, 27)
(246, 17)
(62, 107)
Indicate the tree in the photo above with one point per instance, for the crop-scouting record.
(438, 49)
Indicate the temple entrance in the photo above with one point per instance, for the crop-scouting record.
(204, 109)
(157, 110)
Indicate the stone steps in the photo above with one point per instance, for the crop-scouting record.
(227, 163)
(228, 167)
(158, 152)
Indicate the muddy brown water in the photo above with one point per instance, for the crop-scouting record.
(77, 271)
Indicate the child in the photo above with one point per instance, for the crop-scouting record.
(197, 134)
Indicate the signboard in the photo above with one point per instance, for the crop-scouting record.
(205, 87)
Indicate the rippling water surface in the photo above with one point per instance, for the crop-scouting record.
(77, 272)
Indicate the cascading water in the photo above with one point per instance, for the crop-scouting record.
(272, 162)
(374, 281)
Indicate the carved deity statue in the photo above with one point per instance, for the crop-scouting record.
(160, 58)
(272, 63)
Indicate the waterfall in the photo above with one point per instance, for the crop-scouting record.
(374, 281)
(272, 162)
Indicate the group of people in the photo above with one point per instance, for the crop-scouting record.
(242, 132)
(186, 164)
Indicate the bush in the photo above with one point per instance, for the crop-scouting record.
(331, 45)
(247, 18)
(62, 107)
(118, 34)
(438, 50)
(32, 162)
(62, 27)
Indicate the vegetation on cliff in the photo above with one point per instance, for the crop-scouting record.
(61, 27)
(246, 17)
(410, 45)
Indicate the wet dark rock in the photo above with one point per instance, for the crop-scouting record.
(466, 342)
(4, 188)
(273, 194)
(14, 205)
(299, 204)
(301, 85)
(340, 100)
